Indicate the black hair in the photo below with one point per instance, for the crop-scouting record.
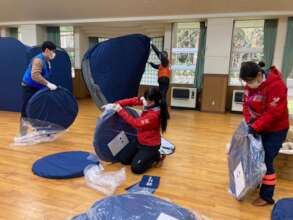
(48, 45)
(250, 69)
(154, 94)
(164, 58)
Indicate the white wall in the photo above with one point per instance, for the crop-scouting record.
(218, 45)
(3, 32)
(168, 38)
(81, 44)
(280, 42)
(32, 35)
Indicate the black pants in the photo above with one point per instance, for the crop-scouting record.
(140, 157)
(164, 86)
(27, 93)
(272, 143)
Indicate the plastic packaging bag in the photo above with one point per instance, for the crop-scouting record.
(33, 131)
(138, 207)
(245, 162)
(105, 182)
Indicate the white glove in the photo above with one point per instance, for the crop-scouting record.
(144, 102)
(51, 86)
(107, 107)
(117, 107)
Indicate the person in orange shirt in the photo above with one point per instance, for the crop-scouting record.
(164, 72)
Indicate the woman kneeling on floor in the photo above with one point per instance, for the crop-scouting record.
(149, 125)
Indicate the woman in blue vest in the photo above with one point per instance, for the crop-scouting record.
(36, 76)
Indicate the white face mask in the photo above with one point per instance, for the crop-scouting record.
(52, 55)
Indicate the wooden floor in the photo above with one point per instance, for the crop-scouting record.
(195, 177)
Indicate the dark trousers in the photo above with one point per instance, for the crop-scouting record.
(27, 93)
(272, 143)
(140, 157)
(164, 86)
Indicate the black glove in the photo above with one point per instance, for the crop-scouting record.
(252, 131)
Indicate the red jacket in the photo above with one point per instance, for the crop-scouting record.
(148, 124)
(266, 105)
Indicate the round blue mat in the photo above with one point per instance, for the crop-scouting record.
(63, 165)
(135, 206)
(283, 210)
(58, 107)
(108, 127)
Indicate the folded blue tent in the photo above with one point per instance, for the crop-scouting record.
(283, 209)
(135, 206)
(113, 69)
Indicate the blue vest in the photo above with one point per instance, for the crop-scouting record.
(27, 78)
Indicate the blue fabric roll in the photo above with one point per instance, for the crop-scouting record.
(61, 67)
(107, 128)
(57, 107)
(113, 69)
(63, 165)
(283, 209)
(135, 206)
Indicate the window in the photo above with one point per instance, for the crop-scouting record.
(150, 76)
(14, 32)
(94, 40)
(247, 45)
(67, 41)
(184, 52)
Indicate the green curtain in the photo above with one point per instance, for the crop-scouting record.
(53, 34)
(270, 35)
(93, 41)
(200, 56)
(13, 32)
(288, 51)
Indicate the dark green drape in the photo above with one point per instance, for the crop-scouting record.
(53, 34)
(13, 32)
(288, 51)
(93, 41)
(200, 56)
(270, 35)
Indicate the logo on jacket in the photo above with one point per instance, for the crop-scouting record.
(275, 101)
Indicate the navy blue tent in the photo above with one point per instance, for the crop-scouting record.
(13, 62)
(113, 69)
(135, 206)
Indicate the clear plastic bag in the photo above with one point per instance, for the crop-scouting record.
(138, 207)
(33, 131)
(105, 182)
(245, 162)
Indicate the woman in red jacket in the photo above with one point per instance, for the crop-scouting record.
(149, 125)
(266, 112)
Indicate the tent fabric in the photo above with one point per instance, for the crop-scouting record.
(111, 66)
(57, 107)
(135, 206)
(107, 128)
(110, 125)
(63, 165)
(13, 56)
(61, 67)
(283, 209)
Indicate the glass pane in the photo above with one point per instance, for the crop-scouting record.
(247, 45)
(67, 41)
(184, 52)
